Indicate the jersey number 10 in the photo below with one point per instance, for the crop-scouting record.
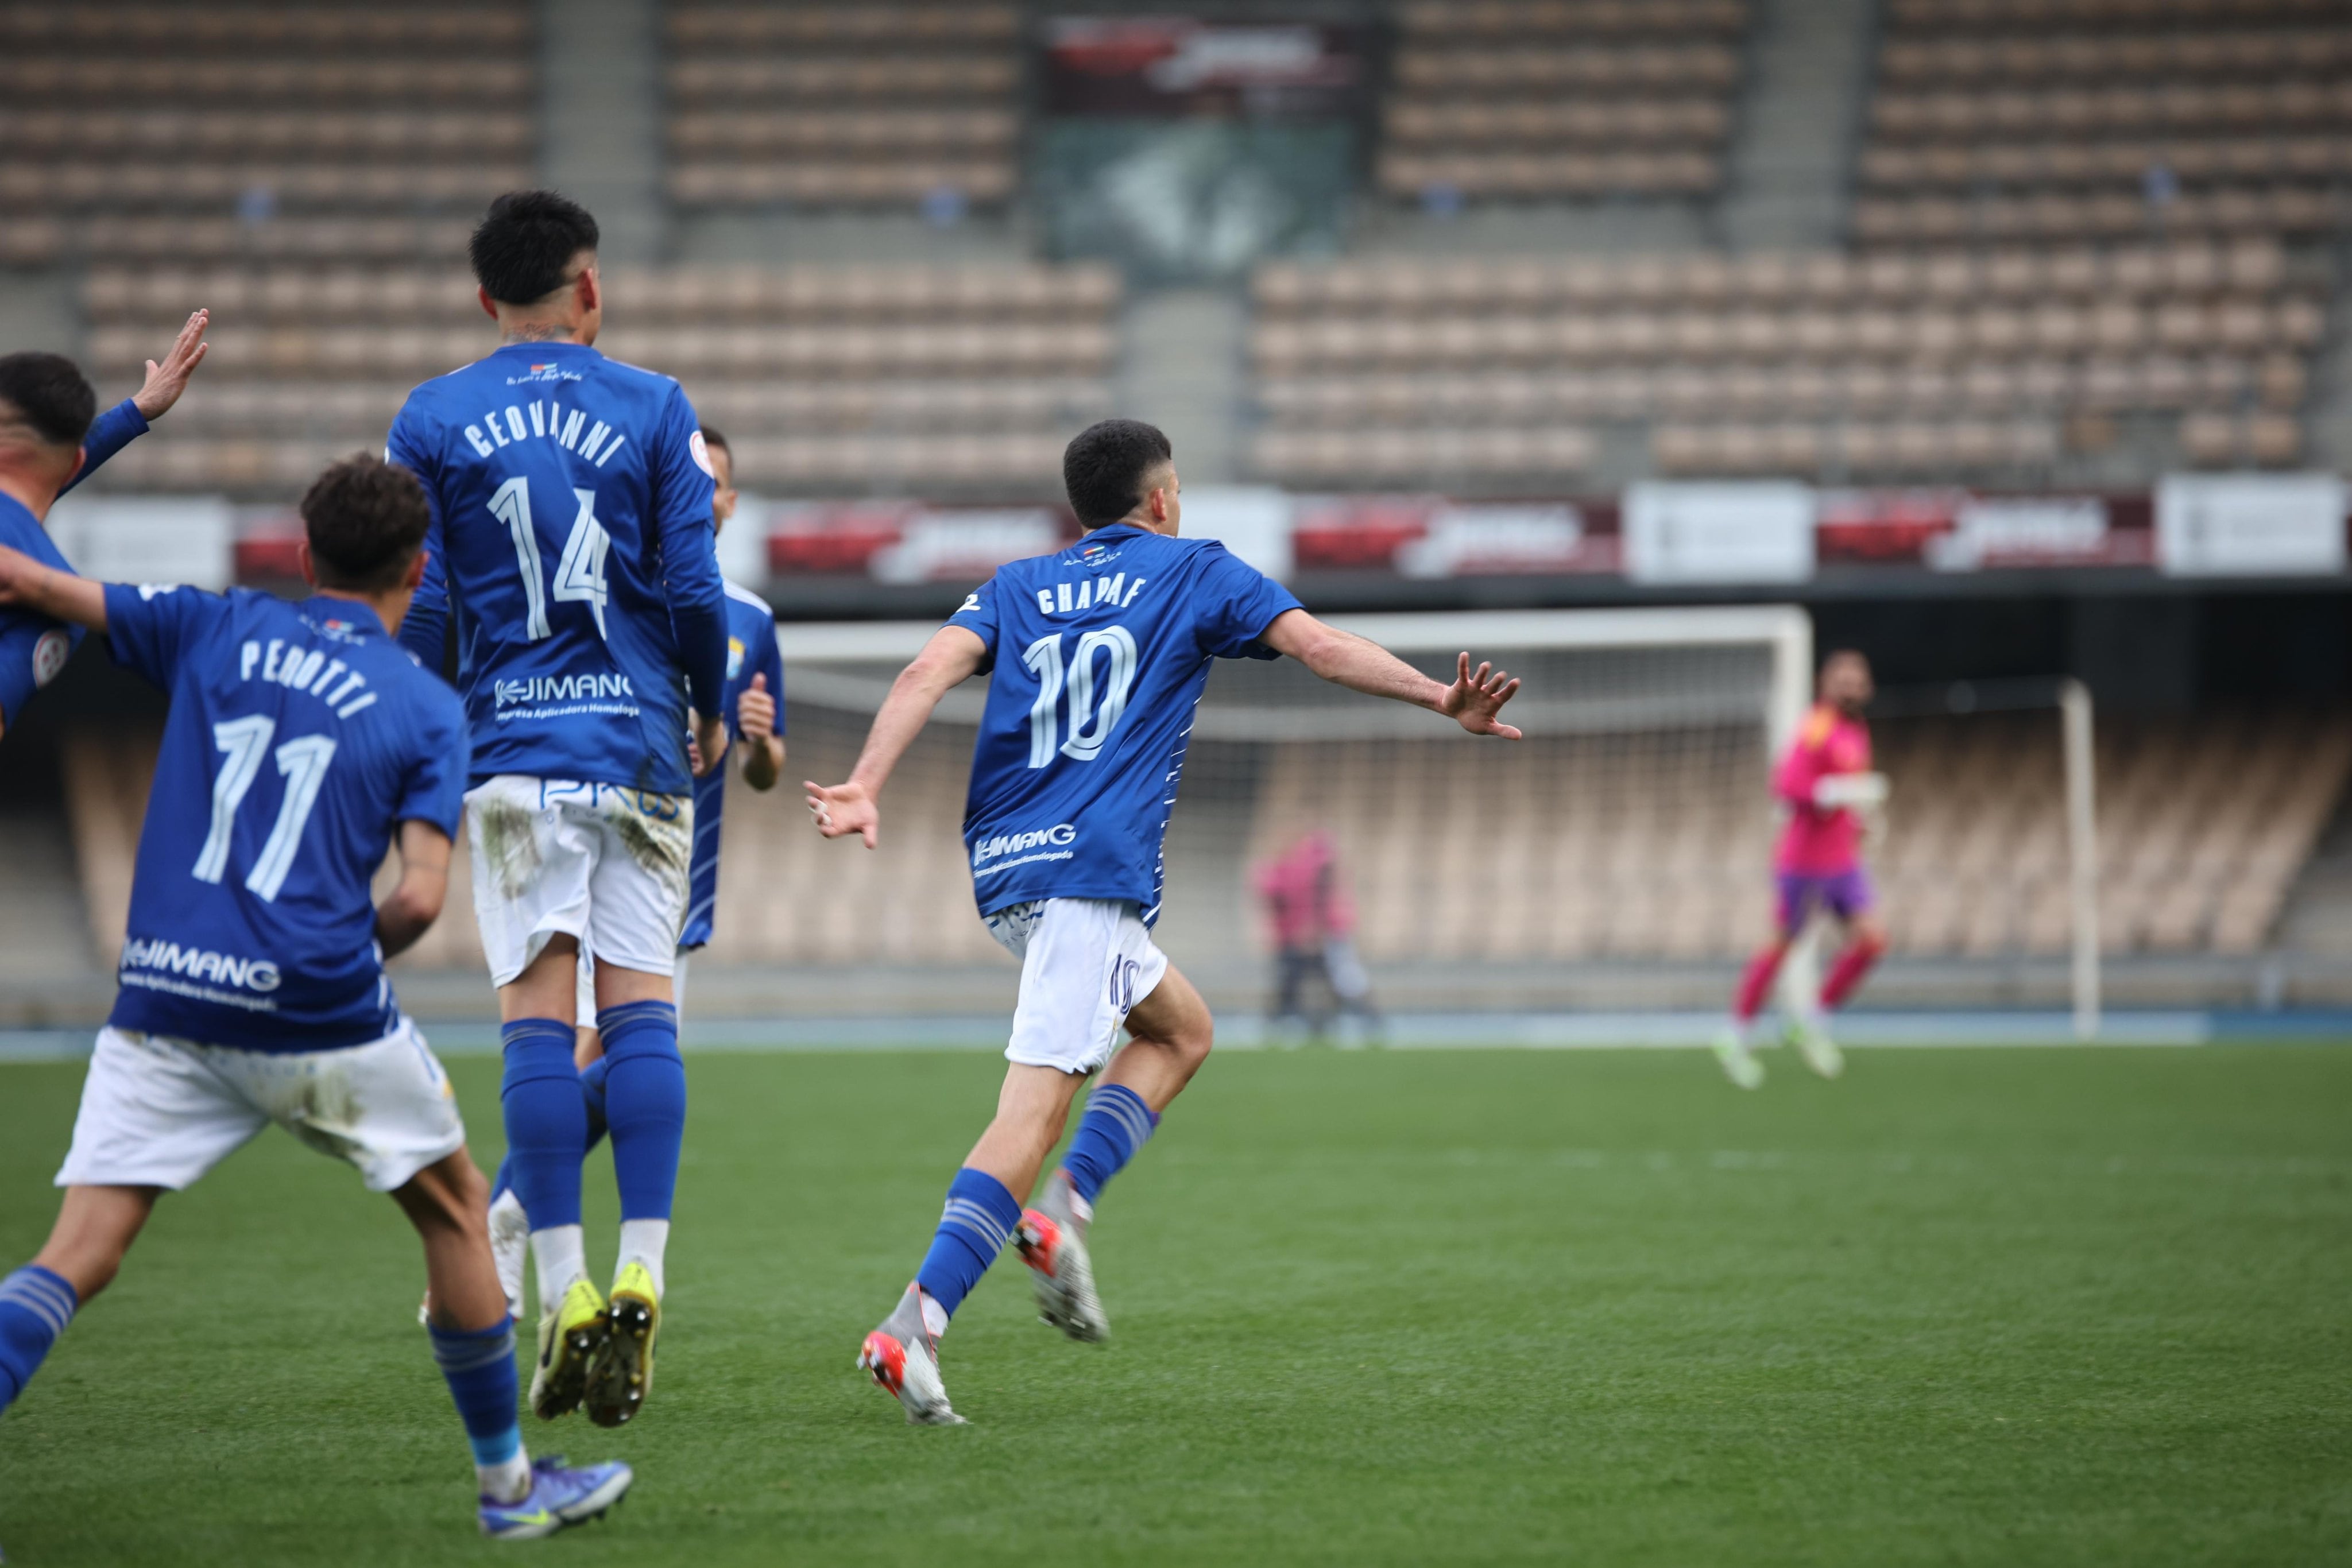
(579, 576)
(303, 760)
(1091, 726)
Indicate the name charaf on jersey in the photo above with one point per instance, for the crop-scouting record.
(299, 738)
(571, 526)
(1098, 656)
(750, 650)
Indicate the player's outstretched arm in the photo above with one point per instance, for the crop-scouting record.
(1473, 700)
(409, 910)
(44, 589)
(119, 426)
(949, 658)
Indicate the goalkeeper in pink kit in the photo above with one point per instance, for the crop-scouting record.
(1825, 779)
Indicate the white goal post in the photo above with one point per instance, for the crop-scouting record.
(1630, 833)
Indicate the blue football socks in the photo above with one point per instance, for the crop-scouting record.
(591, 1095)
(36, 1305)
(645, 1087)
(1116, 1123)
(547, 1121)
(479, 1365)
(974, 1227)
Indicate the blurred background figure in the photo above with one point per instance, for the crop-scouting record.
(1314, 926)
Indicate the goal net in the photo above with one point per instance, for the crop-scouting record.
(1634, 823)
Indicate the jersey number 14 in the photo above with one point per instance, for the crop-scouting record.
(579, 576)
(1091, 721)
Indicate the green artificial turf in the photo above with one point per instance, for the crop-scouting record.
(1964, 1307)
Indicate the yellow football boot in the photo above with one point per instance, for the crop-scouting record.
(568, 1340)
(623, 1372)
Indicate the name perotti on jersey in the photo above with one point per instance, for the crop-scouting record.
(299, 738)
(572, 527)
(1098, 656)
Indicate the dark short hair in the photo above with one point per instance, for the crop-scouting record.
(524, 243)
(710, 437)
(365, 520)
(1105, 464)
(49, 393)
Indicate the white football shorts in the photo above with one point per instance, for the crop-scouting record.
(1085, 962)
(161, 1112)
(583, 999)
(606, 866)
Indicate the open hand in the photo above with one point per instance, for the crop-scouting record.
(755, 710)
(846, 808)
(167, 381)
(1473, 699)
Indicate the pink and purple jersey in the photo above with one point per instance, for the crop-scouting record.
(1819, 841)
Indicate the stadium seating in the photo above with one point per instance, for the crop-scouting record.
(1543, 100)
(842, 105)
(1585, 849)
(298, 133)
(1942, 361)
(828, 379)
(2078, 120)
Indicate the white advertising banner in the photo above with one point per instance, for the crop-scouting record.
(2250, 524)
(187, 539)
(1251, 520)
(1718, 533)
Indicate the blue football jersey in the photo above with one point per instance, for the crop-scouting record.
(34, 648)
(750, 650)
(299, 738)
(571, 526)
(1097, 657)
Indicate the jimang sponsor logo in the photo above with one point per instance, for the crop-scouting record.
(200, 964)
(1061, 835)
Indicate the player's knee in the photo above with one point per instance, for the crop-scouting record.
(1194, 1041)
(453, 1195)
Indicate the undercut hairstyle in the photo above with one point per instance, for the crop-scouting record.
(1104, 465)
(525, 243)
(365, 520)
(48, 395)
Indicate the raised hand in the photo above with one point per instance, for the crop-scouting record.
(167, 381)
(755, 710)
(846, 808)
(1475, 698)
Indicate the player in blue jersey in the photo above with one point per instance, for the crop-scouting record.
(755, 683)
(303, 744)
(49, 443)
(571, 541)
(1097, 656)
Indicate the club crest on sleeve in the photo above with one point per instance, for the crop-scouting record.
(701, 452)
(50, 651)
